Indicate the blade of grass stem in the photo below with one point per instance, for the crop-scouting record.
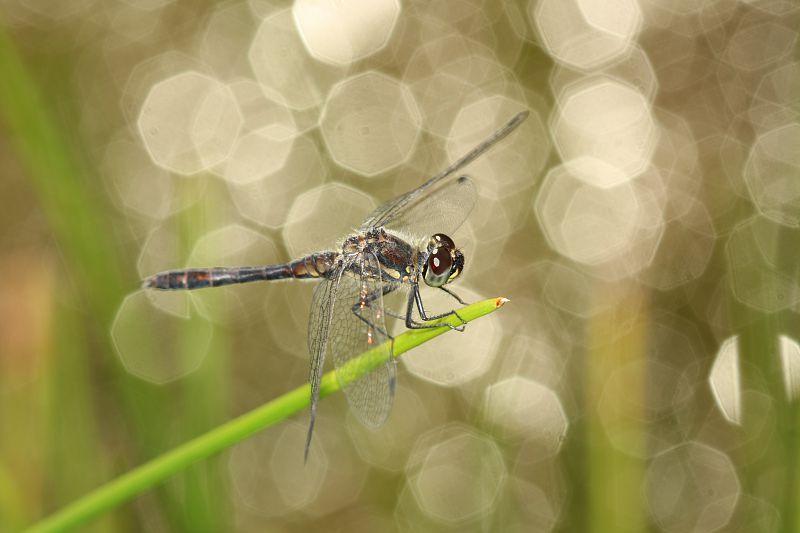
(159, 469)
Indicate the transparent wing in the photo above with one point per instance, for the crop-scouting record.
(358, 324)
(319, 327)
(385, 214)
(441, 210)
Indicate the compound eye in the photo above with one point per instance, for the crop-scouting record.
(440, 261)
(443, 240)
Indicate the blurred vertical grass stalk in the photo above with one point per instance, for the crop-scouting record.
(77, 464)
(615, 501)
(74, 463)
(770, 465)
(204, 397)
(78, 217)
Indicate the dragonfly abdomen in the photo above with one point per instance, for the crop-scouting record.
(310, 266)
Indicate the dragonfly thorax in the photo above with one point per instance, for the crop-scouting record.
(398, 259)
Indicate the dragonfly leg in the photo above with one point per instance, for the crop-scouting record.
(368, 302)
(356, 310)
(454, 295)
(394, 315)
(415, 298)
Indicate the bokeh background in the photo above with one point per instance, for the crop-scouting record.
(644, 222)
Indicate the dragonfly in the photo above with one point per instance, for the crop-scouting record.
(400, 244)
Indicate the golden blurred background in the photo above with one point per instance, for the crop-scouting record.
(644, 221)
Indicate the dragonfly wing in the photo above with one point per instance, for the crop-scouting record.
(358, 324)
(441, 210)
(319, 328)
(384, 214)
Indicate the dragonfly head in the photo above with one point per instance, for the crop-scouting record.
(444, 263)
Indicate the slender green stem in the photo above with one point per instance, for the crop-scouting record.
(159, 469)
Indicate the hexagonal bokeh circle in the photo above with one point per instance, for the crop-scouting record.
(257, 154)
(267, 201)
(263, 471)
(321, 216)
(771, 174)
(138, 185)
(159, 346)
(343, 32)
(283, 67)
(635, 69)
(189, 122)
(585, 34)
(370, 123)
(691, 487)
(607, 120)
(615, 230)
(624, 407)
(685, 250)
(585, 223)
(523, 408)
(779, 87)
(388, 446)
(510, 165)
(448, 73)
(758, 278)
(456, 474)
(759, 44)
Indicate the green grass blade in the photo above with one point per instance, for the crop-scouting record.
(159, 469)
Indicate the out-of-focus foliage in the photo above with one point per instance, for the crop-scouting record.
(644, 221)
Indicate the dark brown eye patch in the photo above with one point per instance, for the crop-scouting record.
(443, 240)
(440, 261)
